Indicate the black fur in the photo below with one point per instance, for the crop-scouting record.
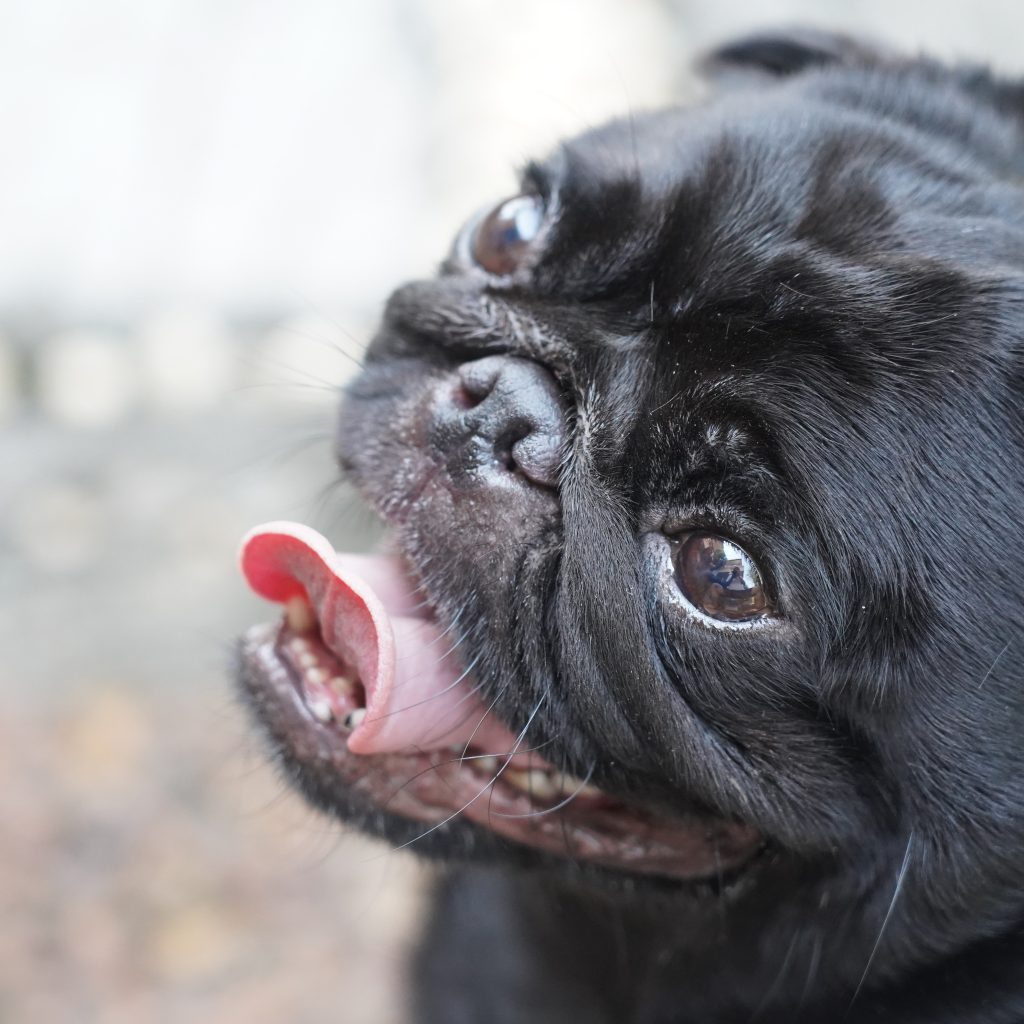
(795, 316)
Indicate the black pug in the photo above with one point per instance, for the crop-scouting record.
(703, 456)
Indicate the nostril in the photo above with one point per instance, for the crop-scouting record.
(466, 398)
(507, 442)
(477, 380)
(505, 458)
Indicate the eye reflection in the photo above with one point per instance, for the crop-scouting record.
(720, 579)
(503, 237)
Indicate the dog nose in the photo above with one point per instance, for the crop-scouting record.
(503, 415)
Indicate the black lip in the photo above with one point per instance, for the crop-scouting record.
(435, 788)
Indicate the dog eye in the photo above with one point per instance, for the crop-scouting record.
(503, 237)
(720, 579)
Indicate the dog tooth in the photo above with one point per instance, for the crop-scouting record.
(542, 785)
(321, 710)
(307, 660)
(565, 782)
(342, 685)
(299, 615)
(572, 785)
(488, 763)
(532, 781)
(354, 718)
(298, 645)
(316, 676)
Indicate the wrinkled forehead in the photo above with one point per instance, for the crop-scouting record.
(699, 201)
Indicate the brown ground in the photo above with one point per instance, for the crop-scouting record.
(157, 870)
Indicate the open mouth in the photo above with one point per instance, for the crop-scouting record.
(356, 678)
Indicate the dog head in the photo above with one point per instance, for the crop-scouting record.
(705, 453)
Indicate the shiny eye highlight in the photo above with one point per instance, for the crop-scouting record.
(502, 239)
(720, 579)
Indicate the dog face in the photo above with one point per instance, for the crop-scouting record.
(705, 448)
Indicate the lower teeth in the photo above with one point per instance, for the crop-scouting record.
(321, 711)
(342, 686)
(536, 783)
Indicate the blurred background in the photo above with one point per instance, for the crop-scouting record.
(203, 204)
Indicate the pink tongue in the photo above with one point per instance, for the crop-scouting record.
(416, 695)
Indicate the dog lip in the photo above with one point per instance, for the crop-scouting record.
(489, 789)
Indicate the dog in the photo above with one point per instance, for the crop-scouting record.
(697, 659)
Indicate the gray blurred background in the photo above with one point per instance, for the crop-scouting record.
(203, 204)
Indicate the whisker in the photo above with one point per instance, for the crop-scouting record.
(283, 454)
(314, 385)
(447, 630)
(311, 380)
(885, 922)
(773, 990)
(486, 786)
(433, 696)
(454, 760)
(991, 667)
(812, 971)
(318, 503)
(361, 346)
(483, 718)
(557, 807)
(430, 643)
(470, 693)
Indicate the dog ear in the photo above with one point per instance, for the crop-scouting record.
(781, 54)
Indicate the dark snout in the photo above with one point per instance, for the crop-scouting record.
(500, 417)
